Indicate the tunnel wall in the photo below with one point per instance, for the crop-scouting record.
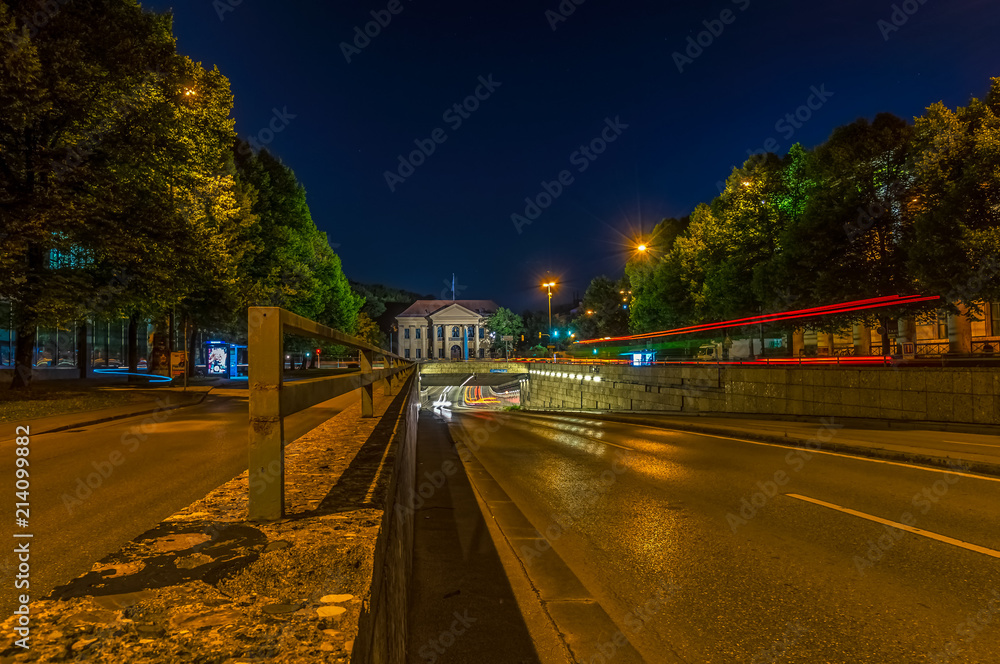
(934, 395)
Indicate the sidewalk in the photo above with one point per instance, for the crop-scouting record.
(920, 443)
(206, 585)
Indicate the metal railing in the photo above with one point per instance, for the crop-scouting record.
(986, 347)
(271, 400)
(932, 349)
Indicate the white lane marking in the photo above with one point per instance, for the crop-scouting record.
(958, 442)
(836, 454)
(900, 526)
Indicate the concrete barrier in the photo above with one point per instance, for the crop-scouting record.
(382, 630)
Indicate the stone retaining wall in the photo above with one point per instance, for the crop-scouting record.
(935, 395)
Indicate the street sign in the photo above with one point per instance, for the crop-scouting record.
(508, 337)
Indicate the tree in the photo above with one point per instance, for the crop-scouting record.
(956, 201)
(608, 301)
(501, 324)
(366, 329)
(658, 295)
(288, 262)
(73, 93)
(850, 241)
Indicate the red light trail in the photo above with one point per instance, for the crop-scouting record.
(844, 307)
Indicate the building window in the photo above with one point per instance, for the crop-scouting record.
(441, 353)
(406, 353)
(454, 332)
(995, 319)
(418, 353)
(406, 333)
(418, 336)
(482, 352)
(441, 332)
(482, 332)
(472, 331)
(942, 327)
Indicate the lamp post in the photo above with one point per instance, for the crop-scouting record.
(550, 286)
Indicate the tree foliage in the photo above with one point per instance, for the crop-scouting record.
(504, 323)
(883, 207)
(121, 193)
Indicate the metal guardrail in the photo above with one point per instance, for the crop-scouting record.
(271, 400)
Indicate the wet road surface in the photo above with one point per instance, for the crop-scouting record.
(707, 549)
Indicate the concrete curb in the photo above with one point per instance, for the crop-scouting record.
(949, 463)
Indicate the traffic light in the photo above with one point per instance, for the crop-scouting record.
(522, 337)
(539, 335)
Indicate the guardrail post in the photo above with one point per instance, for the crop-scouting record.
(387, 383)
(368, 391)
(267, 432)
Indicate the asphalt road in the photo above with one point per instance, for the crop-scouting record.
(725, 545)
(144, 470)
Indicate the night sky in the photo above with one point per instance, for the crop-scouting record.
(557, 91)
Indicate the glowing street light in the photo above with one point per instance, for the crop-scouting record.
(550, 285)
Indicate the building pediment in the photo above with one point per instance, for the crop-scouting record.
(449, 311)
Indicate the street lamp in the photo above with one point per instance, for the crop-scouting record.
(550, 285)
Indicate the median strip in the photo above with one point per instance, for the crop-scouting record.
(901, 526)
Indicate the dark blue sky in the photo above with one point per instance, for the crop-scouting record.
(608, 59)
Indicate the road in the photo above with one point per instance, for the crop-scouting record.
(162, 466)
(752, 552)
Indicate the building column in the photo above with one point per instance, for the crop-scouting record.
(798, 342)
(477, 340)
(862, 340)
(959, 332)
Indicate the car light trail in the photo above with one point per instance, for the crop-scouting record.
(845, 307)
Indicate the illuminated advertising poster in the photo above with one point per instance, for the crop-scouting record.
(218, 360)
